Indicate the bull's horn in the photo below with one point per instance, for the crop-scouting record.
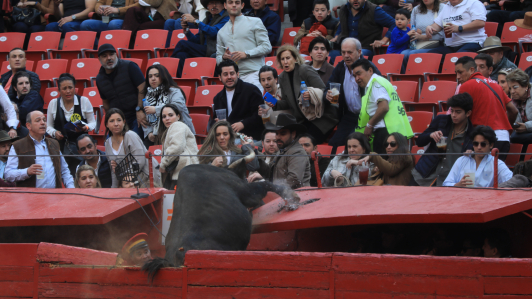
(247, 158)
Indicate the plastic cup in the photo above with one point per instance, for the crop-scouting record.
(471, 174)
(266, 114)
(450, 34)
(363, 174)
(221, 114)
(105, 19)
(41, 176)
(442, 145)
(335, 90)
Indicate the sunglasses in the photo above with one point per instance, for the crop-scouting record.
(482, 144)
(392, 144)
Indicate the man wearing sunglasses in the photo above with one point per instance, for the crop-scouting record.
(432, 170)
(491, 106)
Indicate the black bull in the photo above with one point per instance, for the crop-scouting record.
(211, 211)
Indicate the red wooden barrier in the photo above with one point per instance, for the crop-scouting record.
(216, 274)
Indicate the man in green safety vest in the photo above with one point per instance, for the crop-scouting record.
(382, 112)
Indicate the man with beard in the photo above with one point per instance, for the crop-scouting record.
(17, 63)
(121, 85)
(240, 99)
(243, 40)
(26, 98)
(5, 146)
(292, 164)
(94, 158)
(349, 101)
(309, 145)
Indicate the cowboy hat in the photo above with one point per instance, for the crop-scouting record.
(286, 121)
(526, 22)
(493, 42)
(5, 137)
(206, 2)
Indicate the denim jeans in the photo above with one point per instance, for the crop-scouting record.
(99, 26)
(522, 138)
(467, 47)
(67, 27)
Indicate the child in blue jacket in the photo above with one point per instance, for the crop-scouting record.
(400, 39)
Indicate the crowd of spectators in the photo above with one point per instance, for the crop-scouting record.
(348, 104)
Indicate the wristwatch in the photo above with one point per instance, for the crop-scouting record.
(73, 17)
(138, 108)
(196, 21)
(460, 29)
(13, 127)
(247, 55)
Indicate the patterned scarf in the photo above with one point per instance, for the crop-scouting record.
(156, 97)
(521, 107)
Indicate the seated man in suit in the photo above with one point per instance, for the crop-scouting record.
(241, 100)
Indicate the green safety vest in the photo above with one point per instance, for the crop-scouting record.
(395, 119)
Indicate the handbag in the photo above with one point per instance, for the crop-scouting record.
(27, 15)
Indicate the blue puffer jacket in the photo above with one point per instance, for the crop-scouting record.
(427, 163)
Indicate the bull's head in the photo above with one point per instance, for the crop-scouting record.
(239, 166)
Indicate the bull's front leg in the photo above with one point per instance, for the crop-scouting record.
(290, 196)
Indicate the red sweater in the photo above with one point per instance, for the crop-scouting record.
(487, 109)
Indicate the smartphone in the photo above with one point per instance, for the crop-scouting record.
(269, 98)
(515, 125)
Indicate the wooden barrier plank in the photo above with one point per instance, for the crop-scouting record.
(18, 254)
(57, 253)
(506, 297)
(11, 273)
(364, 295)
(435, 285)
(171, 277)
(259, 278)
(508, 285)
(405, 264)
(506, 267)
(17, 289)
(76, 290)
(258, 260)
(246, 293)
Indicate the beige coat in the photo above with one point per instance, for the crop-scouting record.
(315, 110)
(179, 140)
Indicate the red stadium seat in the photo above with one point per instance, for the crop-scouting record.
(407, 91)
(511, 34)
(186, 90)
(432, 94)
(417, 150)
(40, 43)
(418, 65)
(525, 61)
(511, 160)
(73, 43)
(338, 60)
(6, 67)
(419, 120)
(203, 100)
(48, 70)
(200, 122)
(193, 71)
(146, 43)
(10, 40)
(139, 62)
(528, 151)
(118, 38)
(169, 63)
(491, 28)
(177, 36)
(388, 63)
(288, 37)
(272, 61)
(447, 72)
(84, 70)
(278, 7)
(325, 149)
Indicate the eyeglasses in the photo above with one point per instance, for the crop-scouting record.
(392, 144)
(482, 144)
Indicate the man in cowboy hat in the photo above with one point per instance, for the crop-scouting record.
(494, 48)
(136, 251)
(5, 146)
(292, 164)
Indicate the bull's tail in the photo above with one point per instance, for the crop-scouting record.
(153, 266)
